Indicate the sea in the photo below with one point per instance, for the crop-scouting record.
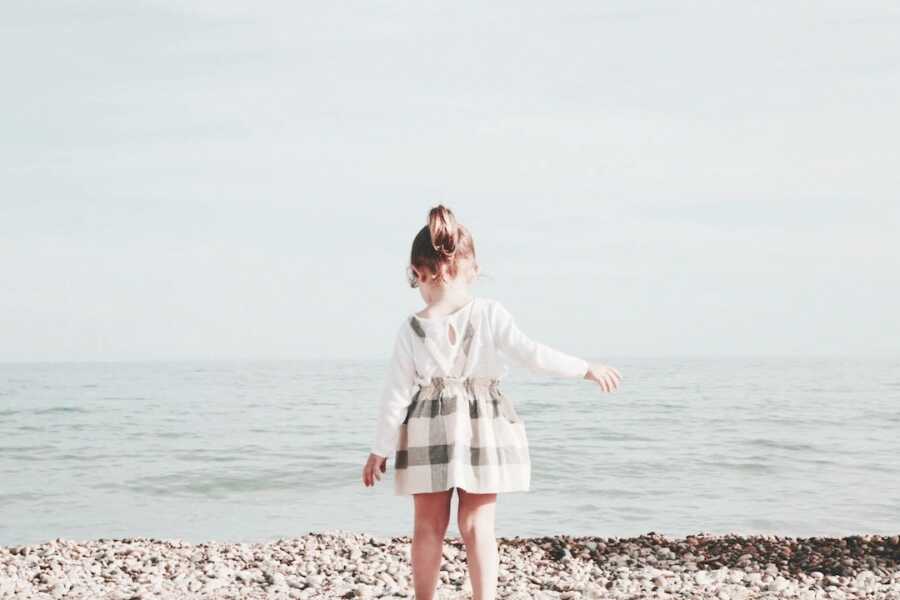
(246, 451)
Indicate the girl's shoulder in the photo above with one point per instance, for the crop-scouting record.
(496, 313)
(482, 307)
(491, 312)
(478, 302)
(489, 305)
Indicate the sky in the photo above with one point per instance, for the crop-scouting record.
(231, 180)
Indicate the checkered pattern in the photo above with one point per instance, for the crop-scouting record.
(462, 432)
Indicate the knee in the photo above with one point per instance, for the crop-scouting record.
(472, 528)
(476, 517)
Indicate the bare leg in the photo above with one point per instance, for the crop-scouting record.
(476, 526)
(431, 520)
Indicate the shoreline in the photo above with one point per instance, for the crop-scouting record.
(341, 564)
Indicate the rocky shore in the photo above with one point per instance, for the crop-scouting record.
(346, 565)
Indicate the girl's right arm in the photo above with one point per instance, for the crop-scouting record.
(396, 394)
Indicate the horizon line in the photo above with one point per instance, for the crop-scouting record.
(223, 359)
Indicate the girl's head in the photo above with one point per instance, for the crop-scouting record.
(443, 252)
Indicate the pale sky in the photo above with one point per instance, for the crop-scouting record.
(244, 179)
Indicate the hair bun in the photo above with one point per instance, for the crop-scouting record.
(444, 230)
(440, 248)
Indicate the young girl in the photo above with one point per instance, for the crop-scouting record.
(442, 410)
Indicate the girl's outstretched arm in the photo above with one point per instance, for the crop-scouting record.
(541, 358)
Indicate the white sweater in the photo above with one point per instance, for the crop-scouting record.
(496, 337)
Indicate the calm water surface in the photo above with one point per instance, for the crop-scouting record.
(248, 451)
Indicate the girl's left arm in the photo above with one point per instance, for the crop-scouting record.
(396, 394)
(529, 353)
(541, 358)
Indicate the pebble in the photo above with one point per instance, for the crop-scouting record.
(356, 566)
(702, 578)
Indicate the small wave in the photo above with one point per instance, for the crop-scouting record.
(816, 461)
(747, 466)
(614, 493)
(27, 453)
(760, 525)
(750, 467)
(780, 445)
(70, 457)
(200, 457)
(176, 435)
(613, 436)
(670, 405)
(878, 468)
(60, 410)
(25, 448)
(632, 510)
(21, 497)
(213, 486)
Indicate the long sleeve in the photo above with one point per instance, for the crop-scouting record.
(396, 394)
(531, 354)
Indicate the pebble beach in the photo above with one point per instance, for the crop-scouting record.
(338, 564)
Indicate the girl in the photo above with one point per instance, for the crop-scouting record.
(442, 410)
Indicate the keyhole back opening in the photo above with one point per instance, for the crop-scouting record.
(451, 334)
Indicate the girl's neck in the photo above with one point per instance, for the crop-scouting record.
(445, 300)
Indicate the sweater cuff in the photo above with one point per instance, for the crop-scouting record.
(584, 370)
(380, 451)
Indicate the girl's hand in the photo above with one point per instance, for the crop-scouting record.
(606, 377)
(373, 469)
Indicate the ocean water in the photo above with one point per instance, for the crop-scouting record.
(248, 451)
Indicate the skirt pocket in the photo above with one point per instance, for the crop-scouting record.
(505, 406)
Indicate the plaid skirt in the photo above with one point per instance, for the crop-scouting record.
(462, 432)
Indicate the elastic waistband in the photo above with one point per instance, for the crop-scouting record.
(440, 382)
